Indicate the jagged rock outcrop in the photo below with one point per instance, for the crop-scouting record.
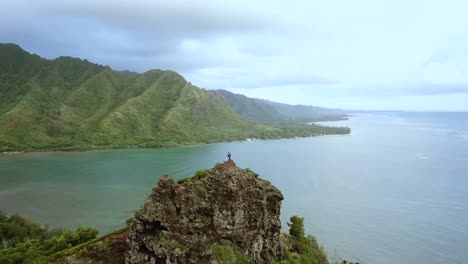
(182, 222)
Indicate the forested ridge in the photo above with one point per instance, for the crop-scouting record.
(69, 103)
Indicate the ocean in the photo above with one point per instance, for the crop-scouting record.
(393, 191)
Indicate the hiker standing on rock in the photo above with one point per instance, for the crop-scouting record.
(229, 155)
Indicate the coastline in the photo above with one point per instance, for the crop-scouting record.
(94, 148)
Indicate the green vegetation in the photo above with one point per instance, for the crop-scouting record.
(201, 173)
(98, 248)
(25, 242)
(301, 248)
(297, 249)
(29, 243)
(271, 112)
(248, 170)
(296, 227)
(224, 254)
(72, 104)
(198, 175)
(250, 108)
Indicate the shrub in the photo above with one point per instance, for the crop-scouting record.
(129, 221)
(201, 173)
(248, 170)
(224, 254)
(198, 175)
(296, 227)
(28, 242)
(307, 248)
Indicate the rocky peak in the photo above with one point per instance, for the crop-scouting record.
(182, 221)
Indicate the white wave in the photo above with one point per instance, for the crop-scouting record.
(422, 156)
(442, 131)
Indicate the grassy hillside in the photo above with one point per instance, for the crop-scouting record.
(68, 103)
(272, 112)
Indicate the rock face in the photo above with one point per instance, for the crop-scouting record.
(226, 205)
(105, 250)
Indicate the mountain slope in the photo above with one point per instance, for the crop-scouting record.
(68, 103)
(16, 68)
(267, 111)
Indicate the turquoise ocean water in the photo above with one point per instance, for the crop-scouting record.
(394, 191)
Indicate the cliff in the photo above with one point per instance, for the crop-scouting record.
(184, 222)
(222, 215)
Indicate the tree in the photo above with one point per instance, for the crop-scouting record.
(29, 242)
(296, 227)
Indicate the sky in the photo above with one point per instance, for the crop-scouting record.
(360, 54)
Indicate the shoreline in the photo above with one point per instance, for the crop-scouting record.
(71, 150)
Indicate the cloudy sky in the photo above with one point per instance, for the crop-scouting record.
(360, 54)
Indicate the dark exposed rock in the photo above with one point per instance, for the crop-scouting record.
(181, 222)
(108, 249)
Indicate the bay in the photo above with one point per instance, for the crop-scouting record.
(394, 191)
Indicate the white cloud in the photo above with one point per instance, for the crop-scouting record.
(360, 51)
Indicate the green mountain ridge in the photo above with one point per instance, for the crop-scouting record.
(262, 110)
(69, 103)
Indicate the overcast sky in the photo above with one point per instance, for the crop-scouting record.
(360, 54)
